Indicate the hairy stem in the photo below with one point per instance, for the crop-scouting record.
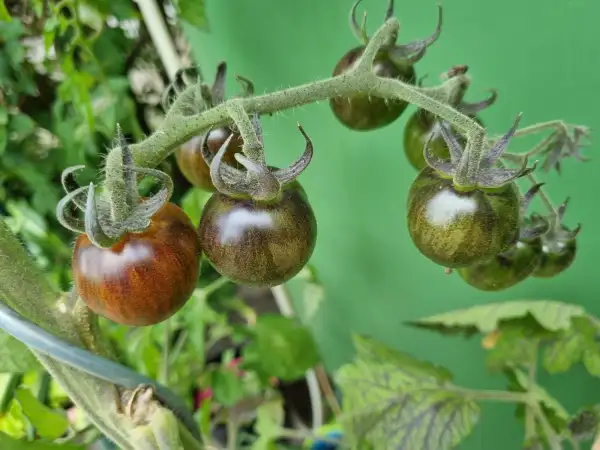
(553, 439)
(252, 147)
(178, 128)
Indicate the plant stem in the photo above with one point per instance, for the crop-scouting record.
(536, 128)
(491, 395)
(232, 435)
(552, 437)
(215, 285)
(164, 373)
(545, 199)
(529, 414)
(178, 128)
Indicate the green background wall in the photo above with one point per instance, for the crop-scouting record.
(544, 60)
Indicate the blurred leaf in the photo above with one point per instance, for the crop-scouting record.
(49, 424)
(15, 356)
(121, 10)
(50, 28)
(228, 387)
(4, 14)
(12, 444)
(552, 315)
(591, 360)
(280, 347)
(371, 350)
(517, 344)
(20, 126)
(399, 404)
(14, 423)
(192, 12)
(269, 421)
(12, 31)
(564, 352)
(193, 203)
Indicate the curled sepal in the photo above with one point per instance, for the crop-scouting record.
(71, 223)
(569, 234)
(139, 218)
(258, 181)
(246, 85)
(471, 109)
(360, 31)
(93, 228)
(532, 226)
(399, 53)
(218, 87)
(64, 179)
(129, 177)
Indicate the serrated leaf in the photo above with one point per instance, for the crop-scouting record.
(516, 345)
(193, 12)
(15, 357)
(48, 424)
(552, 315)
(564, 351)
(387, 406)
(281, 348)
(371, 350)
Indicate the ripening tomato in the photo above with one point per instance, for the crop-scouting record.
(364, 112)
(559, 249)
(146, 277)
(259, 243)
(419, 127)
(191, 163)
(505, 269)
(459, 228)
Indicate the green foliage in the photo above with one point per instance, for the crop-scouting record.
(48, 424)
(15, 357)
(192, 12)
(13, 444)
(280, 347)
(392, 400)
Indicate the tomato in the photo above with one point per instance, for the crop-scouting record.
(457, 229)
(259, 243)
(505, 269)
(559, 249)
(365, 112)
(191, 163)
(146, 277)
(419, 127)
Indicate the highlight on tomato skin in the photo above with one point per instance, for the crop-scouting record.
(192, 164)
(259, 243)
(558, 253)
(146, 277)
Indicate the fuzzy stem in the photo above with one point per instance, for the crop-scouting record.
(177, 129)
(252, 147)
(553, 438)
(544, 197)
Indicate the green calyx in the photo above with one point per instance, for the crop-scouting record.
(485, 173)
(532, 226)
(401, 55)
(558, 232)
(258, 182)
(105, 222)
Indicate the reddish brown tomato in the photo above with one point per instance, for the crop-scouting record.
(259, 244)
(364, 112)
(146, 277)
(192, 165)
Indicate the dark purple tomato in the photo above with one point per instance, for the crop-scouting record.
(460, 228)
(365, 112)
(191, 163)
(259, 243)
(146, 277)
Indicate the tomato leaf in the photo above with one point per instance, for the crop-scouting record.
(4, 14)
(568, 347)
(192, 12)
(269, 420)
(13, 444)
(552, 315)
(280, 347)
(15, 356)
(516, 345)
(401, 403)
(48, 423)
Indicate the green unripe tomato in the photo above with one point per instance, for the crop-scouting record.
(505, 269)
(558, 253)
(458, 229)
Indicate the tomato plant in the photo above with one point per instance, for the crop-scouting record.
(144, 278)
(366, 112)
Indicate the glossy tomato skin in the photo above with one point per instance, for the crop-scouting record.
(364, 112)
(417, 130)
(257, 243)
(558, 254)
(457, 229)
(192, 165)
(506, 269)
(146, 277)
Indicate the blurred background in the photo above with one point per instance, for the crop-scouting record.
(543, 59)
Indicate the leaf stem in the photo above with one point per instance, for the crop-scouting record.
(214, 286)
(491, 395)
(529, 414)
(552, 437)
(232, 435)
